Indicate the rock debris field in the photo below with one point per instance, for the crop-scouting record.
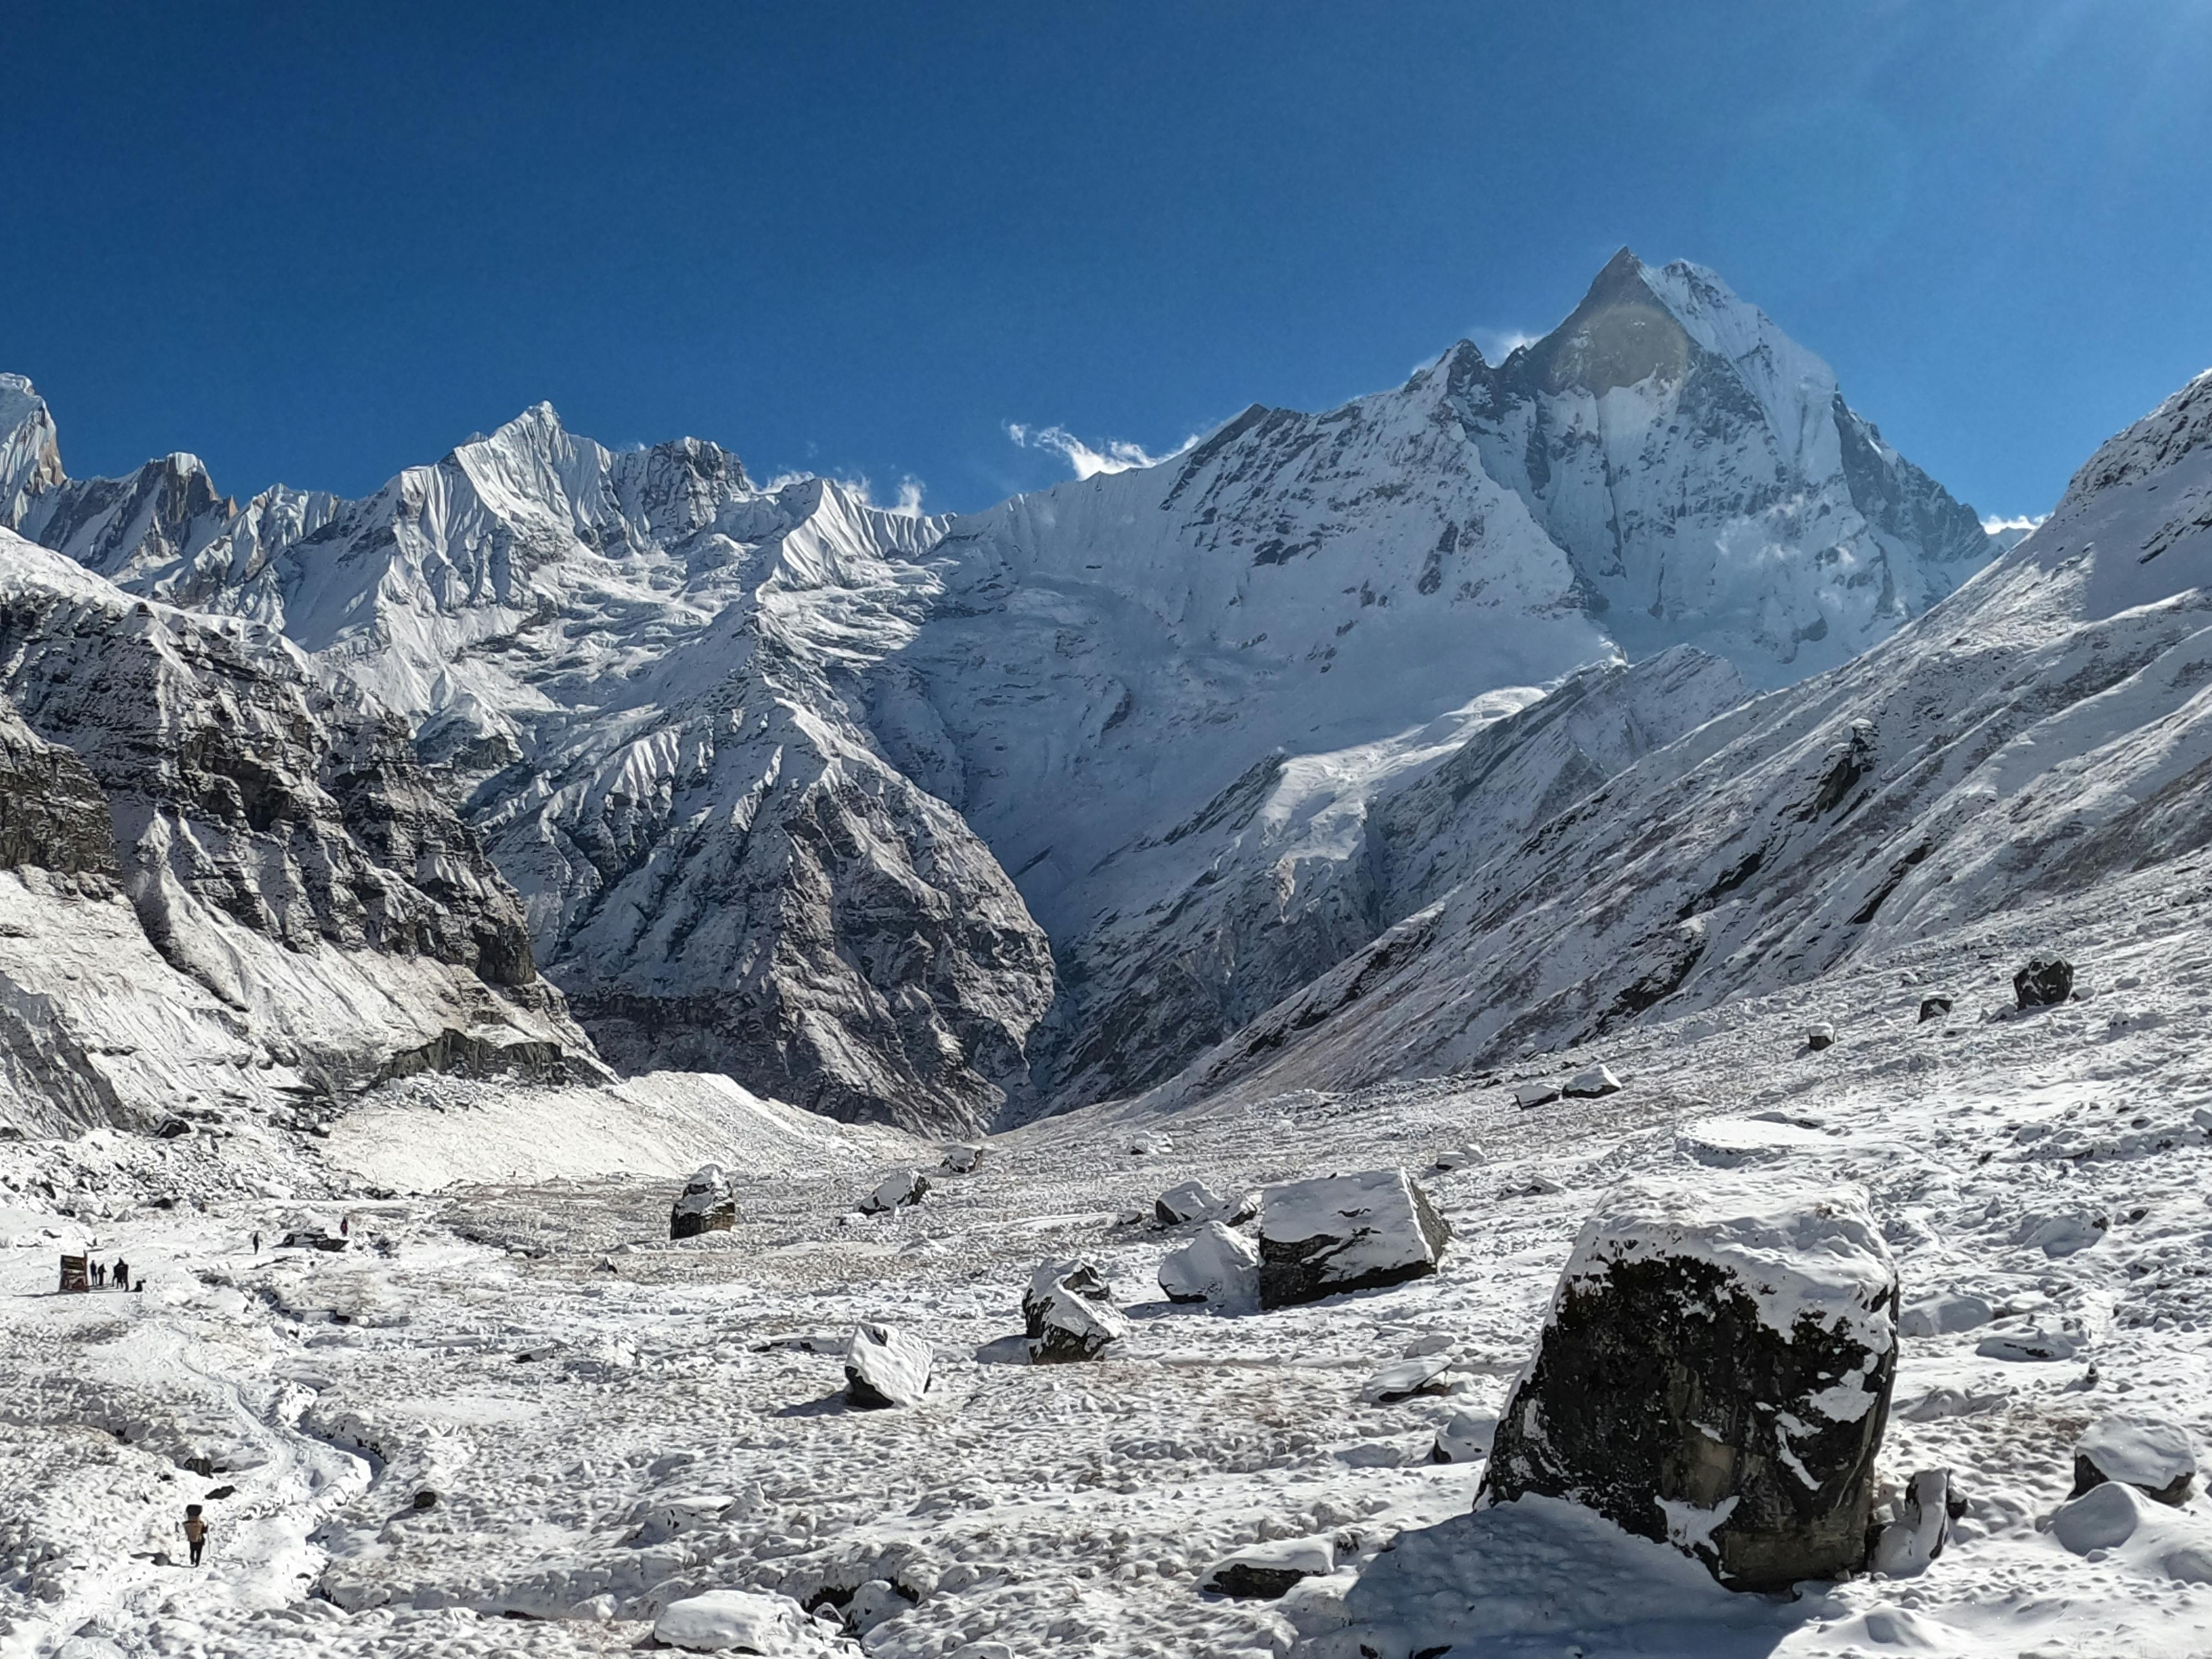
(512, 1417)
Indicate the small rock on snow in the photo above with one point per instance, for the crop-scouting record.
(1933, 1008)
(1193, 1200)
(1943, 1313)
(2148, 1453)
(1463, 1438)
(1820, 1036)
(1527, 1095)
(1595, 1081)
(738, 1621)
(1922, 1528)
(902, 1186)
(1218, 1266)
(1402, 1379)
(1269, 1570)
(884, 1366)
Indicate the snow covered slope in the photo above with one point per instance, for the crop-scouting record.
(2047, 727)
(225, 884)
(761, 760)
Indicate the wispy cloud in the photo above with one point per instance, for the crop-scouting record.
(907, 504)
(1997, 526)
(1116, 455)
(1500, 344)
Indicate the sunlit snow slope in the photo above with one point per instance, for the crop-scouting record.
(2046, 726)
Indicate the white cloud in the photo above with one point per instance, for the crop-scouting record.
(907, 504)
(1500, 344)
(1117, 455)
(1997, 526)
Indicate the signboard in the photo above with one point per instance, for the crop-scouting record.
(74, 1276)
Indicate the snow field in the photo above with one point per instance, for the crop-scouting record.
(612, 1422)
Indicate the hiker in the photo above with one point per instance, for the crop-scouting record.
(99, 1276)
(257, 1241)
(122, 1274)
(196, 1531)
(345, 1226)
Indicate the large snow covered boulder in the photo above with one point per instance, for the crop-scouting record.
(1345, 1233)
(738, 1621)
(1921, 1528)
(1592, 1082)
(2148, 1453)
(1070, 1314)
(1217, 1266)
(707, 1204)
(1715, 1373)
(884, 1366)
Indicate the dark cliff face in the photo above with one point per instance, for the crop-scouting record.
(53, 813)
(166, 752)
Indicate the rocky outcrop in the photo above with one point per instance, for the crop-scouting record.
(1069, 1314)
(707, 1204)
(1715, 1373)
(271, 886)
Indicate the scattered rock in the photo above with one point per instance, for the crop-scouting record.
(1070, 1313)
(738, 1621)
(172, 1129)
(1217, 1266)
(1820, 1036)
(1715, 1374)
(2035, 1343)
(1341, 1233)
(1922, 1528)
(962, 1159)
(1458, 1157)
(1269, 1570)
(1943, 1313)
(876, 1602)
(899, 1188)
(1149, 1144)
(1595, 1081)
(307, 1241)
(1194, 1200)
(1526, 1095)
(1463, 1438)
(1402, 1379)
(885, 1367)
(2043, 984)
(707, 1204)
(1933, 1008)
(2150, 1454)
(424, 1499)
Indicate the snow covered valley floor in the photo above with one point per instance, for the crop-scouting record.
(608, 1421)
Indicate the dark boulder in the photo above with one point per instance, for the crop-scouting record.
(1715, 1374)
(707, 1204)
(1069, 1313)
(1345, 1233)
(2043, 984)
(1270, 1569)
(1933, 1008)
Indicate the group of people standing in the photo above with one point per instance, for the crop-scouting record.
(116, 1278)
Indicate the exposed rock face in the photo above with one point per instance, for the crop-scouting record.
(254, 865)
(1342, 1233)
(1715, 1373)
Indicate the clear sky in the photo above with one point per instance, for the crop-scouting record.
(316, 243)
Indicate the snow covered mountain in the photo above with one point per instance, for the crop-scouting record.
(225, 883)
(2047, 727)
(760, 761)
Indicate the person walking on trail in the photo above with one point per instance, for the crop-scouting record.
(345, 1226)
(257, 1241)
(122, 1274)
(196, 1531)
(99, 1275)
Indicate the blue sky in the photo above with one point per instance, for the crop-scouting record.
(318, 243)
